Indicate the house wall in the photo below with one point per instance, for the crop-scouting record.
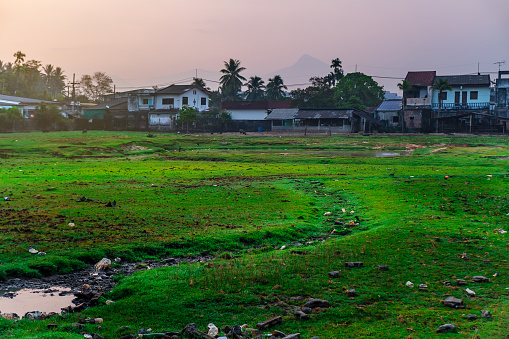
(483, 94)
(387, 116)
(248, 114)
(194, 100)
(165, 120)
(415, 122)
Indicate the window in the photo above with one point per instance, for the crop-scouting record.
(203, 101)
(395, 119)
(411, 117)
(474, 95)
(442, 96)
(185, 101)
(194, 91)
(168, 101)
(145, 101)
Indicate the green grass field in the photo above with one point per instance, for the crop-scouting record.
(241, 197)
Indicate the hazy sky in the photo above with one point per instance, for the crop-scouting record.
(143, 43)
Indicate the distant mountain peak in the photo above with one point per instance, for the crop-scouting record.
(304, 68)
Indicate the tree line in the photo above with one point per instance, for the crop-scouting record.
(32, 79)
(334, 90)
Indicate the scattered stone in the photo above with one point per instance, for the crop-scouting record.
(278, 334)
(327, 213)
(293, 336)
(471, 317)
(351, 293)
(447, 283)
(307, 310)
(301, 315)
(269, 323)
(470, 292)
(446, 328)
(409, 284)
(354, 264)
(453, 302)
(423, 287)
(334, 274)
(464, 256)
(192, 330)
(10, 316)
(460, 282)
(383, 267)
(312, 303)
(485, 314)
(480, 279)
(103, 265)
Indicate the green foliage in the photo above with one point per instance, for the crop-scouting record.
(231, 80)
(255, 89)
(275, 88)
(187, 115)
(357, 90)
(96, 86)
(9, 117)
(49, 117)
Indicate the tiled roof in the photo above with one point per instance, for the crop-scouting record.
(422, 78)
(390, 105)
(180, 89)
(465, 80)
(255, 104)
(282, 114)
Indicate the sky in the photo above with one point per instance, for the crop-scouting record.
(158, 42)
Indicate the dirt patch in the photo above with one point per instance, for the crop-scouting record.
(132, 147)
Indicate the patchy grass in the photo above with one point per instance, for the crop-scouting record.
(239, 198)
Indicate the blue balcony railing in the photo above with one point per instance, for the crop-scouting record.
(462, 106)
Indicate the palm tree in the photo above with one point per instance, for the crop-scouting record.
(20, 57)
(275, 88)
(48, 71)
(231, 80)
(441, 85)
(58, 80)
(337, 73)
(404, 86)
(255, 89)
(199, 82)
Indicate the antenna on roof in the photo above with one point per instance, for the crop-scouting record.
(499, 63)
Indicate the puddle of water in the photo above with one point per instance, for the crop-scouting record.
(28, 300)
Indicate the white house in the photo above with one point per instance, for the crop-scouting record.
(469, 92)
(164, 104)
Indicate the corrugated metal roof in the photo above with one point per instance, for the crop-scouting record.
(255, 104)
(282, 114)
(113, 104)
(466, 80)
(324, 114)
(390, 105)
(26, 100)
(180, 89)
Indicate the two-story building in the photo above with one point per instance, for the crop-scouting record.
(162, 105)
(502, 95)
(468, 92)
(417, 101)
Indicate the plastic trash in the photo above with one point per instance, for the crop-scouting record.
(470, 292)
(283, 247)
(327, 213)
(7, 198)
(33, 315)
(213, 330)
(71, 224)
(94, 320)
(103, 265)
(118, 260)
(33, 250)
(410, 284)
(41, 253)
(501, 231)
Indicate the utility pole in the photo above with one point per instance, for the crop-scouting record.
(74, 83)
(499, 63)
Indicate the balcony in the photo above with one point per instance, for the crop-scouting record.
(462, 106)
(418, 101)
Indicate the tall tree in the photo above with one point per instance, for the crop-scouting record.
(337, 71)
(20, 57)
(200, 83)
(231, 80)
(275, 88)
(405, 87)
(441, 85)
(255, 89)
(357, 90)
(96, 86)
(58, 81)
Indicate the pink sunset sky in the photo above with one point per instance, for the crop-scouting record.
(151, 42)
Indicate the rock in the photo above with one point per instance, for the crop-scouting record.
(315, 337)
(9, 316)
(293, 336)
(383, 267)
(307, 310)
(471, 317)
(470, 292)
(351, 293)
(460, 282)
(446, 328)
(485, 314)
(480, 279)
(334, 274)
(354, 264)
(192, 330)
(327, 213)
(103, 265)
(423, 287)
(268, 323)
(409, 284)
(447, 283)
(278, 334)
(453, 302)
(312, 303)
(301, 315)
(86, 289)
